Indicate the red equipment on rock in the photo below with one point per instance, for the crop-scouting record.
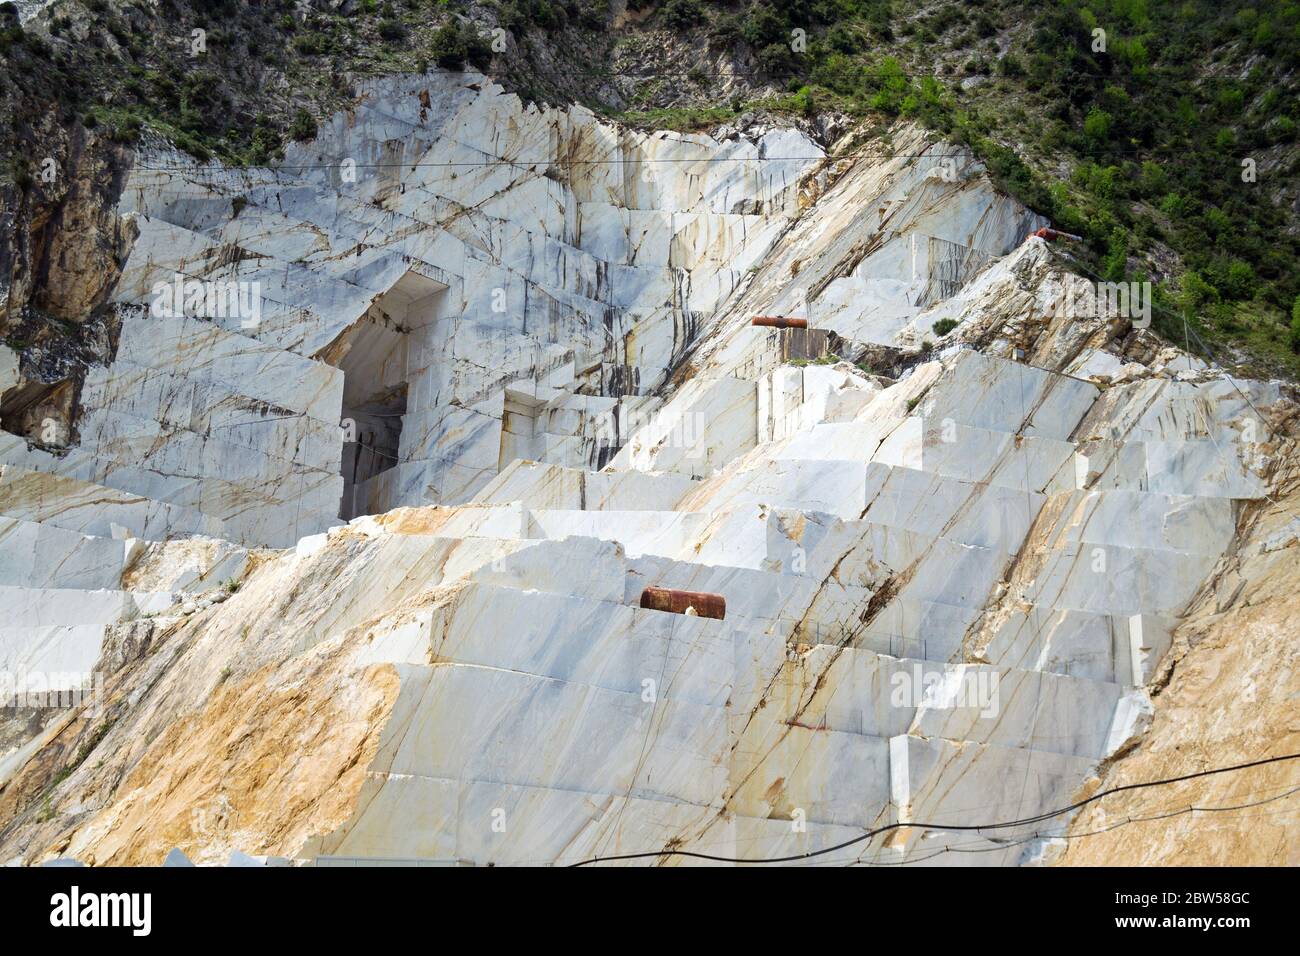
(1049, 235)
(699, 603)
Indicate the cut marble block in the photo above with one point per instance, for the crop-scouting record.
(834, 778)
(375, 572)
(1132, 519)
(555, 487)
(283, 304)
(581, 567)
(45, 607)
(52, 638)
(173, 449)
(219, 481)
(799, 544)
(921, 567)
(1030, 710)
(567, 430)
(925, 630)
(961, 784)
(698, 438)
(639, 532)
(602, 644)
(68, 502)
(594, 740)
(1150, 637)
(791, 399)
(178, 402)
(411, 542)
(1194, 467)
(839, 441)
(1163, 410)
(1078, 643)
(947, 448)
(49, 658)
(36, 555)
(997, 395)
(990, 516)
(200, 351)
(1113, 579)
(841, 488)
(856, 690)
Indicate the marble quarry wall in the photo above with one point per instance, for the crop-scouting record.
(396, 433)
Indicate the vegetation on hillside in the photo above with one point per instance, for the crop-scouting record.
(1163, 132)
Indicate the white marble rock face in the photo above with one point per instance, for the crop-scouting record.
(945, 588)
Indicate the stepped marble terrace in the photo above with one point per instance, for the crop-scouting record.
(342, 554)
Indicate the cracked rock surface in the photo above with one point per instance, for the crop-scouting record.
(357, 576)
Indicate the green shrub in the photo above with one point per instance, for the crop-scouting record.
(1295, 325)
(447, 49)
(1096, 126)
(312, 44)
(391, 30)
(303, 126)
(478, 49)
(682, 14)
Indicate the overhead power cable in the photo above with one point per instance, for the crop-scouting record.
(547, 161)
(786, 74)
(920, 825)
(1127, 821)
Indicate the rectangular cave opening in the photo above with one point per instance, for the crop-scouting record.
(372, 356)
(373, 353)
(375, 426)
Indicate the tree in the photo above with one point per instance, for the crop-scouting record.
(1097, 125)
(682, 14)
(1295, 325)
(448, 47)
(303, 126)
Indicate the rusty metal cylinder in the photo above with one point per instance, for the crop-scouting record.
(677, 602)
(779, 322)
(1048, 234)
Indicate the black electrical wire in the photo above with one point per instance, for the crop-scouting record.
(939, 826)
(1127, 821)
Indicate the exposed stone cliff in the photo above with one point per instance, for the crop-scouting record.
(354, 565)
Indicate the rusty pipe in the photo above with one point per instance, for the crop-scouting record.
(1051, 235)
(779, 322)
(677, 602)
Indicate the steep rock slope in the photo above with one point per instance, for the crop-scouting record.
(1228, 690)
(948, 571)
